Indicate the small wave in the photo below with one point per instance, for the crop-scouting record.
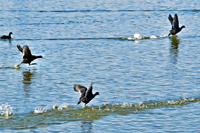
(6, 110)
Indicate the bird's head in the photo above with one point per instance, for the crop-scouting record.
(183, 26)
(97, 93)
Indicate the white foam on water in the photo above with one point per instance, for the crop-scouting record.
(40, 110)
(163, 36)
(16, 66)
(137, 36)
(153, 37)
(60, 107)
(6, 110)
(83, 106)
(131, 38)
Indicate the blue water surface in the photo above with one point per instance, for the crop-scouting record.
(147, 84)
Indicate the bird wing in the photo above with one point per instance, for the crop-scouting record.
(175, 22)
(20, 48)
(80, 89)
(89, 92)
(170, 19)
(26, 51)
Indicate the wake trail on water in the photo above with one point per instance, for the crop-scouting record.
(7, 110)
(138, 36)
(118, 107)
(55, 114)
(16, 66)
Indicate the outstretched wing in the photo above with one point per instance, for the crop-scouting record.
(170, 19)
(20, 48)
(26, 51)
(80, 89)
(89, 92)
(175, 22)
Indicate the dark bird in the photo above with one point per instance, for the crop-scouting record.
(6, 37)
(27, 56)
(86, 95)
(175, 25)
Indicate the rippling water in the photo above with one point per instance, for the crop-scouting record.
(148, 82)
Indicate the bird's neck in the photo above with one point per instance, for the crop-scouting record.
(95, 94)
(38, 56)
(181, 27)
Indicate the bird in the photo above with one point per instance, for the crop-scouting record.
(175, 25)
(6, 37)
(27, 56)
(86, 95)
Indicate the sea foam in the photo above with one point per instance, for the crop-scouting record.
(6, 110)
(40, 110)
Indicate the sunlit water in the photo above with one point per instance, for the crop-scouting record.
(148, 82)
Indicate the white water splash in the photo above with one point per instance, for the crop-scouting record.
(16, 66)
(163, 36)
(105, 103)
(6, 110)
(40, 110)
(137, 36)
(60, 107)
(153, 37)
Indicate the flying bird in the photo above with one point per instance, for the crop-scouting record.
(86, 95)
(27, 56)
(175, 25)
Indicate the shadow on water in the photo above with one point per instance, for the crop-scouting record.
(86, 115)
(174, 49)
(27, 77)
(9, 40)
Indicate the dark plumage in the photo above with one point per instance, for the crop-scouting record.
(175, 25)
(6, 37)
(27, 56)
(86, 95)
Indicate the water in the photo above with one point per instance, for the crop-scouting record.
(148, 82)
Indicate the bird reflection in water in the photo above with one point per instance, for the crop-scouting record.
(27, 77)
(86, 126)
(174, 49)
